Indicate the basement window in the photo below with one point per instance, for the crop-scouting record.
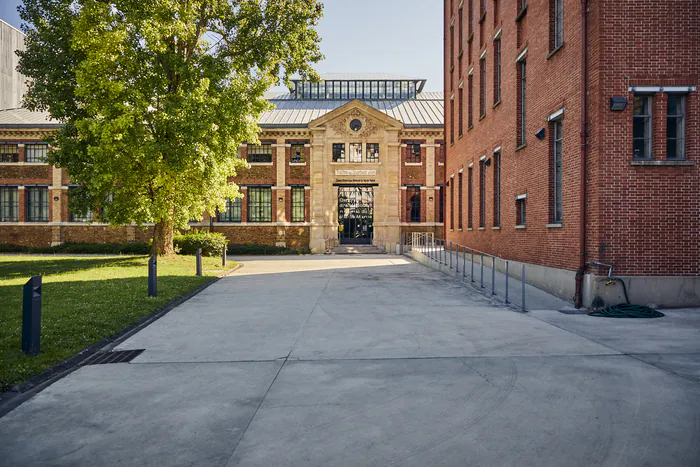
(520, 211)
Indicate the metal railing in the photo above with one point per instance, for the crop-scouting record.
(330, 243)
(461, 261)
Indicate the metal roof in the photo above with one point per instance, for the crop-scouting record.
(365, 77)
(426, 110)
(23, 118)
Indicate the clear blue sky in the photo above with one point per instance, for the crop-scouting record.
(390, 36)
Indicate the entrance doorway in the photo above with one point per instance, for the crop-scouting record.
(355, 214)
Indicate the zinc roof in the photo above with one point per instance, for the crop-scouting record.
(23, 118)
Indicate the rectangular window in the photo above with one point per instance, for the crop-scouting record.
(355, 152)
(372, 152)
(497, 71)
(460, 204)
(37, 204)
(460, 120)
(482, 194)
(9, 204)
(297, 153)
(74, 217)
(452, 120)
(520, 211)
(441, 205)
(262, 153)
(557, 137)
(497, 189)
(336, 89)
(482, 87)
(298, 208)
(452, 204)
(641, 127)
(344, 89)
(9, 152)
(338, 152)
(556, 24)
(259, 204)
(413, 152)
(413, 204)
(522, 102)
(675, 127)
(482, 23)
(460, 24)
(232, 212)
(36, 152)
(471, 17)
(470, 196)
(470, 103)
(496, 11)
(452, 46)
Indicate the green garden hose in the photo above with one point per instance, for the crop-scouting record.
(626, 310)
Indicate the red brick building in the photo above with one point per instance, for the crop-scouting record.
(572, 131)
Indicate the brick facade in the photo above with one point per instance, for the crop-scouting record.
(642, 218)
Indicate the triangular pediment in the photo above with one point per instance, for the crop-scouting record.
(370, 118)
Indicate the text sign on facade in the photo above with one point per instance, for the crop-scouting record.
(356, 173)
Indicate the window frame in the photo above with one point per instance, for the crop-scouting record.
(557, 170)
(338, 152)
(496, 189)
(292, 157)
(482, 194)
(72, 217)
(522, 101)
(259, 208)
(37, 210)
(233, 212)
(413, 156)
(298, 204)
(452, 203)
(521, 211)
(30, 153)
(482, 88)
(258, 156)
(470, 197)
(648, 130)
(413, 204)
(9, 203)
(460, 202)
(355, 153)
(681, 125)
(497, 57)
(7, 155)
(369, 155)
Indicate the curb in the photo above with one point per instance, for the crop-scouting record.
(19, 394)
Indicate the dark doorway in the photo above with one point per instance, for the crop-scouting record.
(355, 214)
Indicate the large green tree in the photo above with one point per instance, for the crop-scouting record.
(155, 96)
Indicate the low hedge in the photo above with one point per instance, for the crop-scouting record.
(132, 248)
(255, 249)
(211, 243)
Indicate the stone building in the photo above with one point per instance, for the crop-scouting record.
(356, 158)
(12, 83)
(573, 135)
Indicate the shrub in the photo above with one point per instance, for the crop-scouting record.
(255, 249)
(211, 243)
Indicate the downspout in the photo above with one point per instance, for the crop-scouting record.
(578, 297)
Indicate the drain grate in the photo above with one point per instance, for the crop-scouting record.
(117, 356)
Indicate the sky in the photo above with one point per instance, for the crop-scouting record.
(402, 37)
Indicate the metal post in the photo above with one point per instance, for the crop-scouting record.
(153, 276)
(482, 270)
(457, 260)
(464, 264)
(31, 316)
(450, 255)
(472, 277)
(506, 281)
(223, 257)
(523, 280)
(493, 276)
(199, 261)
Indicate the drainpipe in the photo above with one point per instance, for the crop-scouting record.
(578, 298)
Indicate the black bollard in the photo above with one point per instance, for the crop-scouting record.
(223, 257)
(199, 261)
(153, 276)
(31, 316)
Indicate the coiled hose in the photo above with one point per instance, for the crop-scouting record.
(626, 310)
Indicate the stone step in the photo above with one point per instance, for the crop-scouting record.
(355, 250)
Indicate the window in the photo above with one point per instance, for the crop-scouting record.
(497, 189)
(471, 17)
(482, 22)
(262, 153)
(372, 152)
(338, 152)
(556, 24)
(641, 127)
(232, 212)
(470, 104)
(413, 152)
(413, 204)
(522, 103)
(298, 211)
(259, 204)
(482, 87)
(520, 210)
(557, 137)
(461, 111)
(452, 120)
(297, 153)
(460, 28)
(37, 204)
(36, 152)
(482, 194)
(470, 195)
(452, 46)
(9, 204)
(675, 127)
(497, 71)
(74, 217)
(9, 152)
(355, 152)
(496, 11)
(460, 203)
(452, 203)
(441, 205)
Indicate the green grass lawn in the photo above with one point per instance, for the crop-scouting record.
(85, 299)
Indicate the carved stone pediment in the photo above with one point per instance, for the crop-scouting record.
(341, 125)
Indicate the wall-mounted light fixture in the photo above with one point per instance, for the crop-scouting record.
(618, 103)
(280, 199)
(430, 198)
(540, 134)
(55, 198)
(487, 162)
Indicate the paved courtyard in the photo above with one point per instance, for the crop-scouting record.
(372, 360)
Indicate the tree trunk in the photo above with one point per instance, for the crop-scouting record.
(163, 238)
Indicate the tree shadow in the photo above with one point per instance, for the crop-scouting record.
(58, 265)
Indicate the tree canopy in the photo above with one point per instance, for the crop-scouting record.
(155, 96)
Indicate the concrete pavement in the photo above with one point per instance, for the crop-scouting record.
(372, 360)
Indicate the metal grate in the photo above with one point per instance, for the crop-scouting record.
(117, 356)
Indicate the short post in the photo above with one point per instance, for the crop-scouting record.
(153, 276)
(457, 260)
(31, 316)
(482, 270)
(523, 281)
(450, 255)
(493, 276)
(199, 261)
(440, 253)
(472, 277)
(464, 264)
(506, 281)
(223, 257)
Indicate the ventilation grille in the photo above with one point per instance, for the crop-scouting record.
(117, 356)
